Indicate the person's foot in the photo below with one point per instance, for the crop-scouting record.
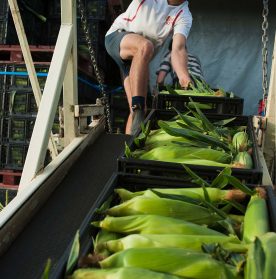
(138, 117)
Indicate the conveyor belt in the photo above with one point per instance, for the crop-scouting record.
(53, 227)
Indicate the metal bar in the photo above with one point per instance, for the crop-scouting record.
(269, 144)
(70, 84)
(45, 117)
(29, 62)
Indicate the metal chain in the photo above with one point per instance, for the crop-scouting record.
(86, 30)
(265, 52)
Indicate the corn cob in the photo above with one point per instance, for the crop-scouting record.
(256, 218)
(254, 266)
(240, 141)
(120, 273)
(243, 160)
(214, 194)
(178, 154)
(102, 237)
(176, 261)
(268, 241)
(165, 207)
(152, 224)
(191, 242)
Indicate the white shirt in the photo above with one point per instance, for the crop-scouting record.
(154, 19)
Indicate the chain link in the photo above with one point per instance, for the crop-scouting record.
(99, 76)
(265, 52)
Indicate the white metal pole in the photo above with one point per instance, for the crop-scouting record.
(29, 62)
(70, 84)
(48, 106)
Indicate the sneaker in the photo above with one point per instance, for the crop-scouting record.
(137, 118)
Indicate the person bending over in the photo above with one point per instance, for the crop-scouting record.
(167, 76)
(134, 38)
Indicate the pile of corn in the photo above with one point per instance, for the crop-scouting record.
(199, 88)
(191, 138)
(200, 233)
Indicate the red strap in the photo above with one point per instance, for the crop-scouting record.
(131, 19)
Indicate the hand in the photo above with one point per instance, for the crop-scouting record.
(185, 82)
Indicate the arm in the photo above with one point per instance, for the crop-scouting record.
(180, 59)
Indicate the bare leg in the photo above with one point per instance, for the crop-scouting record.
(140, 50)
(129, 96)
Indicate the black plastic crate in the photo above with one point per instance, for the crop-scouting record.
(19, 102)
(13, 155)
(133, 182)
(3, 30)
(17, 129)
(96, 9)
(7, 195)
(4, 8)
(17, 75)
(223, 105)
(131, 165)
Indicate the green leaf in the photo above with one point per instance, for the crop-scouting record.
(237, 184)
(196, 179)
(128, 152)
(237, 205)
(191, 144)
(46, 272)
(224, 121)
(74, 254)
(171, 90)
(189, 123)
(193, 135)
(221, 181)
(105, 205)
(177, 197)
(227, 224)
(206, 123)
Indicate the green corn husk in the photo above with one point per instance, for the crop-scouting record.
(102, 237)
(261, 254)
(178, 154)
(120, 273)
(176, 261)
(240, 141)
(165, 207)
(214, 194)
(191, 242)
(152, 224)
(194, 135)
(255, 261)
(268, 241)
(256, 221)
(243, 160)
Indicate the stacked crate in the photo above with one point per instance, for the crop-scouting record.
(32, 23)
(18, 109)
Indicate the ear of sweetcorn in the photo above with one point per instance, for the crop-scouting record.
(255, 219)
(176, 261)
(165, 207)
(152, 224)
(120, 273)
(191, 242)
